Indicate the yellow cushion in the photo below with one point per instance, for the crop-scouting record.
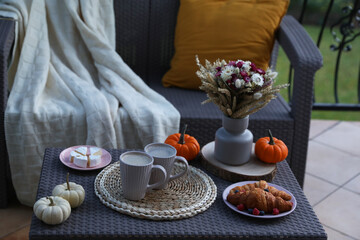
(225, 29)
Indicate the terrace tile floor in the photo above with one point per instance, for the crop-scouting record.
(332, 183)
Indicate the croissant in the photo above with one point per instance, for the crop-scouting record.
(262, 185)
(260, 199)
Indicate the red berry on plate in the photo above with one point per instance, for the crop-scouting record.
(240, 207)
(275, 211)
(256, 211)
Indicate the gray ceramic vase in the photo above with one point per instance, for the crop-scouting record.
(233, 141)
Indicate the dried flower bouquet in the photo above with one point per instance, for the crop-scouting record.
(238, 88)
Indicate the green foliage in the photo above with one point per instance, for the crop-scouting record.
(324, 78)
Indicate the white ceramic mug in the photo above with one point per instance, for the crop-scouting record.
(135, 171)
(165, 155)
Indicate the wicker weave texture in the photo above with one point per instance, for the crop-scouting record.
(93, 220)
(163, 15)
(132, 33)
(182, 198)
(306, 59)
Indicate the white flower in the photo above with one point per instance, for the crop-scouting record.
(257, 95)
(257, 79)
(239, 83)
(226, 73)
(246, 66)
(273, 75)
(270, 74)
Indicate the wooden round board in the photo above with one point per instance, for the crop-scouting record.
(254, 169)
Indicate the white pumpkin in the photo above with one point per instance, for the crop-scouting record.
(52, 210)
(70, 191)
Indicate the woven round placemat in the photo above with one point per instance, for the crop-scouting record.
(183, 198)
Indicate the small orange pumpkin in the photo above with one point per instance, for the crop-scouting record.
(270, 149)
(186, 145)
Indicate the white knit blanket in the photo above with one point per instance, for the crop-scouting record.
(70, 87)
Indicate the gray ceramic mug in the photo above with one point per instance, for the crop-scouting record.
(165, 155)
(135, 171)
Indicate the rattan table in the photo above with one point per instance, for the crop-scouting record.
(93, 220)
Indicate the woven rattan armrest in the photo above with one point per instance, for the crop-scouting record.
(306, 59)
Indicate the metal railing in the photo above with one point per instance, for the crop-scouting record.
(344, 31)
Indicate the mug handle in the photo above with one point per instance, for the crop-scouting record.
(181, 159)
(157, 184)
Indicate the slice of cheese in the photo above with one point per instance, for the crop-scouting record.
(81, 150)
(93, 160)
(81, 158)
(81, 161)
(95, 151)
(74, 154)
(95, 156)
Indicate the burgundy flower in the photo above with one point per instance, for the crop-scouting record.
(247, 79)
(240, 64)
(233, 77)
(232, 85)
(218, 74)
(243, 74)
(218, 68)
(253, 67)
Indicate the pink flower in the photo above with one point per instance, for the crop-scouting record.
(218, 74)
(259, 70)
(232, 63)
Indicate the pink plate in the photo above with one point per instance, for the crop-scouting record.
(65, 159)
(227, 190)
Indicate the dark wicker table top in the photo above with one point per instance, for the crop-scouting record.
(93, 220)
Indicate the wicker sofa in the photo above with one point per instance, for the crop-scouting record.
(145, 35)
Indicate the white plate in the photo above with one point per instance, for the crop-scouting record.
(65, 159)
(244, 212)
